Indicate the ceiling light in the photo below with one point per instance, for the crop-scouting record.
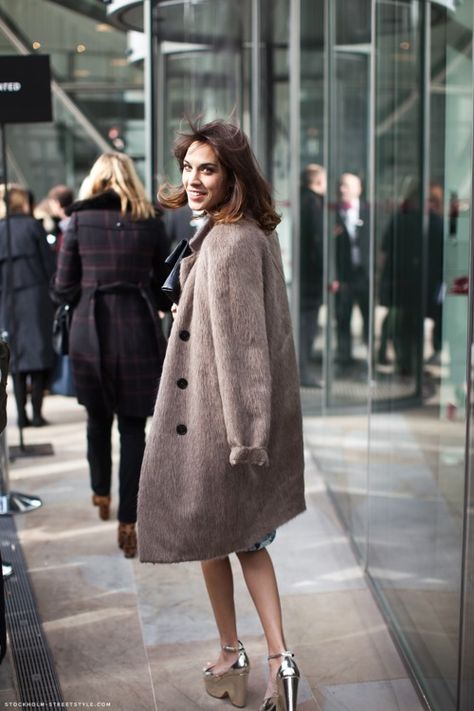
(81, 48)
(36, 45)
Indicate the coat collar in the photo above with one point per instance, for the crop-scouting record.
(199, 236)
(108, 200)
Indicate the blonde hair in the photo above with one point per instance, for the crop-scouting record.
(18, 200)
(115, 171)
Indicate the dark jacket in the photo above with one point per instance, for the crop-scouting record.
(311, 248)
(116, 343)
(345, 271)
(400, 281)
(29, 323)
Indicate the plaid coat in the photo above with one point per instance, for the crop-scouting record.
(116, 344)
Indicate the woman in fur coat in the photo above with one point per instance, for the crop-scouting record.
(223, 466)
(111, 266)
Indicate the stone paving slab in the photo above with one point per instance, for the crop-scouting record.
(136, 636)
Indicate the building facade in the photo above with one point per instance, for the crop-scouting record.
(361, 114)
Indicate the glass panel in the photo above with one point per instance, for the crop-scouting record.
(422, 231)
(205, 54)
(399, 216)
(312, 203)
(349, 219)
(341, 440)
(467, 651)
(274, 114)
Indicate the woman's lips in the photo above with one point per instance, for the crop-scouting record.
(195, 194)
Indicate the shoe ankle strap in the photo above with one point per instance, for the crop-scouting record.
(231, 648)
(280, 654)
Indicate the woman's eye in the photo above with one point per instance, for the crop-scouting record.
(187, 168)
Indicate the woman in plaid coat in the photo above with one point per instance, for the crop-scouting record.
(112, 264)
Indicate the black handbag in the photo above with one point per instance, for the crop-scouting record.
(61, 326)
(172, 287)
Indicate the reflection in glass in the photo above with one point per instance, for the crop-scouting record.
(204, 53)
(397, 473)
(341, 439)
(312, 200)
(352, 267)
(417, 461)
(348, 217)
(400, 286)
(313, 189)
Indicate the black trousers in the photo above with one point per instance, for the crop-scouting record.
(38, 380)
(355, 292)
(99, 456)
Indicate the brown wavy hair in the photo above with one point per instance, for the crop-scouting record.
(248, 192)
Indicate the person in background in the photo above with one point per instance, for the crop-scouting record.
(42, 212)
(111, 267)
(352, 256)
(434, 282)
(26, 310)
(224, 461)
(60, 198)
(400, 285)
(178, 224)
(313, 191)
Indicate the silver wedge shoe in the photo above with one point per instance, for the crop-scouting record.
(232, 683)
(287, 679)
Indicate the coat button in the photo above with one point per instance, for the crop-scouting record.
(182, 383)
(184, 335)
(181, 429)
(119, 224)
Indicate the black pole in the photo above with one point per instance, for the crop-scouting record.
(7, 296)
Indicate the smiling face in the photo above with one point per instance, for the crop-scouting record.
(204, 178)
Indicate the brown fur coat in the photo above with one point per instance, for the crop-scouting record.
(223, 464)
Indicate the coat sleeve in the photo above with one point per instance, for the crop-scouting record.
(238, 323)
(68, 276)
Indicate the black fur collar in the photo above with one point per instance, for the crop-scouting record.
(109, 200)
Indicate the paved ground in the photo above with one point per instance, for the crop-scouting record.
(136, 636)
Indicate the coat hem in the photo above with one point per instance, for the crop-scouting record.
(282, 520)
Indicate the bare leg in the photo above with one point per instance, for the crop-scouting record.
(220, 588)
(260, 578)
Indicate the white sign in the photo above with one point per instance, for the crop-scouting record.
(10, 86)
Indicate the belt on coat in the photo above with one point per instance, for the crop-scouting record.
(118, 287)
